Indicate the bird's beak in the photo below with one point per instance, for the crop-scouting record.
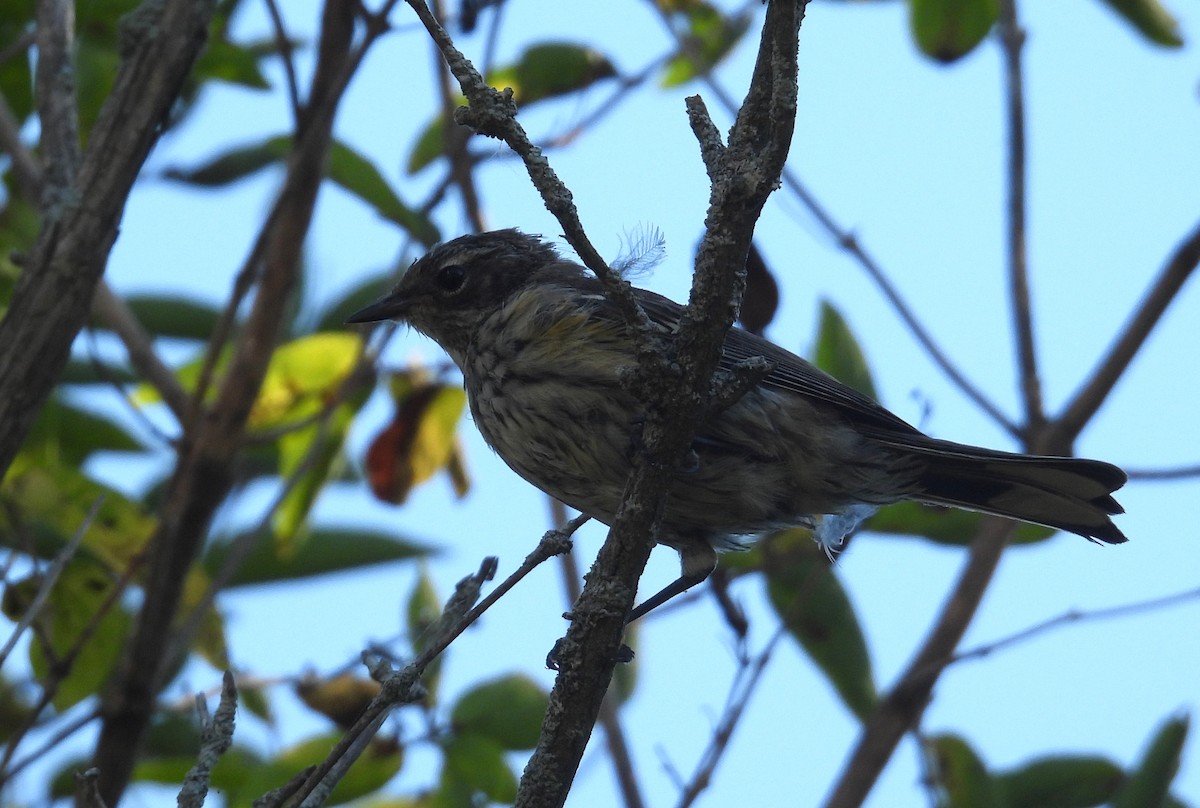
(387, 308)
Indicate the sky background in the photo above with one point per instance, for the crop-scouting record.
(908, 155)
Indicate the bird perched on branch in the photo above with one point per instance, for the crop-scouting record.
(542, 349)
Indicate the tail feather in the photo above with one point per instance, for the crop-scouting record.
(1067, 493)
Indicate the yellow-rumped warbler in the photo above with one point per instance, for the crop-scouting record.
(541, 349)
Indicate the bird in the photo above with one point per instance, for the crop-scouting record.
(543, 353)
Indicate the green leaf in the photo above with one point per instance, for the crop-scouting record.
(1060, 782)
(341, 698)
(421, 613)
(234, 164)
(1148, 786)
(430, 143)
(378, 764)
(89, 371)
(1151, 19)
(314, 453)
(962, 776)
(508, 711)
(708, 35)
(70, 435)
(359, 176)
(551, 69)
(816, 611)
(475, 765)
(943, 525)
(65, 630)
(323, 551)
(304, 372)
(346, 167)
(230, 62)
(53, 499)
(838, 353)
(172, 316)
(947, 30)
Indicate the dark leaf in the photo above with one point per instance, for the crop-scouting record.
(323, 551)
(1061, 782)
(1151, 19)
(947, 30)
(171, 316)
(837, 352)
(508, 710)
(762, 294)
(358, 175)
(961, 774)
(816, 611)
(943, 525)
(1149, 784)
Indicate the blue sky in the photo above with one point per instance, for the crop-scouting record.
(909, 156)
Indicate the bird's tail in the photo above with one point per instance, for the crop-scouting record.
(1060, 492)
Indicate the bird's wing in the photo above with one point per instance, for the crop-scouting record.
(790, 372)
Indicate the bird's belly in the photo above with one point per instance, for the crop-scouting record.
(753, 469)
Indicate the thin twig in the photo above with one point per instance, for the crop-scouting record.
(50, 578)
(744, 686)
(25, 165)
(1095, 390)
(115, 313)
(1012, 38)
(1177, 473)
(1077, 616)
(284, 43)
(396, 690)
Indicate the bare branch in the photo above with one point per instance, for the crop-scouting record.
(116, 314)
(56, 101)
(849, 242)
(216, 736)
(53, 295)
(1077, 616)
(610, 719)
(1095, 390)
(1012, 37)
(898, 711)
(743, 688)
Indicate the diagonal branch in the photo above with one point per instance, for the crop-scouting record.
(900, 709)
(1087, 401)
(53, 295)
(203, 473)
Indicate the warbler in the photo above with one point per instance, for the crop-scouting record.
(542, 349)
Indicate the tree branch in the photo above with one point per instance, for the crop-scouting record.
(203, 474)
(1013, 40)
(53, 295)
(899, 710)
(1087, 401)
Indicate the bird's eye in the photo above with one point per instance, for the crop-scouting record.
(450, 278)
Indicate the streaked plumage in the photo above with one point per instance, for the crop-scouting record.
(540, 348)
